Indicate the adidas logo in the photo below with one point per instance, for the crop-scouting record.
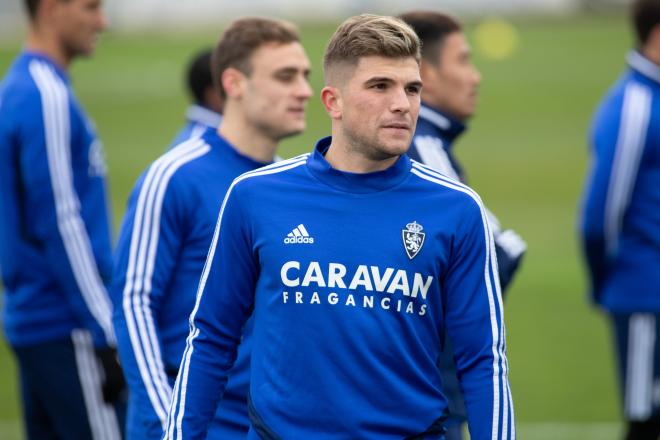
(298, 235)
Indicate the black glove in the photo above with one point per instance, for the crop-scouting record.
(113, 377)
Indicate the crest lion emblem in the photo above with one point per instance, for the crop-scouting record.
(413, 239)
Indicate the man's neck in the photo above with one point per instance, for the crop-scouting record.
(41, 42)
(652, 53)
(344, 156)
(246, 139)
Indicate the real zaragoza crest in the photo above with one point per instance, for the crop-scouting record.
(413, 239)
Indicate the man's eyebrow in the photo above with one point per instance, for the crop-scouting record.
(379, 79)
(292, 70)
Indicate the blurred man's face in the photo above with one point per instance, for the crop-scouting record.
(78, 23)
(378, 106)
(277, 90)
(451, 82)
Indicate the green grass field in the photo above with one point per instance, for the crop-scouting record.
(525, 154)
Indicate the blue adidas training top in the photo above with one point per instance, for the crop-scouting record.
(352, 280)
(620, 221)
(55, 239)
(163, 243)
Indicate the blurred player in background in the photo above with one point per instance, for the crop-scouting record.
(352, 274)
(261, 72)
(206, 110)
(449, 99)
(621, 221)
(55, 234)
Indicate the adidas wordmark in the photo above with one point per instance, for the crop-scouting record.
(299, 235)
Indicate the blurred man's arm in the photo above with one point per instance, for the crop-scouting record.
(147, 250)
(510, 249)
(618, 140)
(47, 167)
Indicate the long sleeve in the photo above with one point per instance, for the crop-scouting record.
(48, 165)
(509, 248)
(146, 253)
(474, 321)
(224, 302)
(618, 138)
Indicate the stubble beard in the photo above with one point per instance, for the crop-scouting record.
(372, 147)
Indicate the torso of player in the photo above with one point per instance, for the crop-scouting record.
(350, 299)
(195, 195)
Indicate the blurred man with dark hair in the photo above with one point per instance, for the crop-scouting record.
(261, 71)
(620, 222)
(55, 234)
(449, 99)
(206, 110)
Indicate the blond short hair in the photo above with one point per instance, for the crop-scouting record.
(370, 35)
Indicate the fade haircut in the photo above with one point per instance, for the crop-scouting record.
(432, 28)
(32, 6)
(645, 16)
(369, 35)
(242, 38)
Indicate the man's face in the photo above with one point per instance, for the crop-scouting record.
(277, 89)
(451, 82)
(78, 23)
(378, 106)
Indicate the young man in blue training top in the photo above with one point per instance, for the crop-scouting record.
(206, 110)
(620, 222)
(449, 99)
(352, 274)
(55, 235)
(261, 72)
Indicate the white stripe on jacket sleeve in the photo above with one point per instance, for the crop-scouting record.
(55, 103)
(139, 273)
(627, 156)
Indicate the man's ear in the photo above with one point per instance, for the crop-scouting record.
(332, 102)
(46, 10)
(428, 72)
(653, 42)
(233, 81)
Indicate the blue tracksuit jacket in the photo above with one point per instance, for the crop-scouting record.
(352, 281)
(162, 246)
(620, 221)
(432, 145)
(55, 240)
(198, 120)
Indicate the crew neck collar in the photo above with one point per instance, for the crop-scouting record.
(359, 183)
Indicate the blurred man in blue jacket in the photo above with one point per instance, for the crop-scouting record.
(261, 72)
(620, 222)
(449, 99)
(55, 244)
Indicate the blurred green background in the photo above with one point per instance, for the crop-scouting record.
(525, 153)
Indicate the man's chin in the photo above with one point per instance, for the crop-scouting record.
(292, 131)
